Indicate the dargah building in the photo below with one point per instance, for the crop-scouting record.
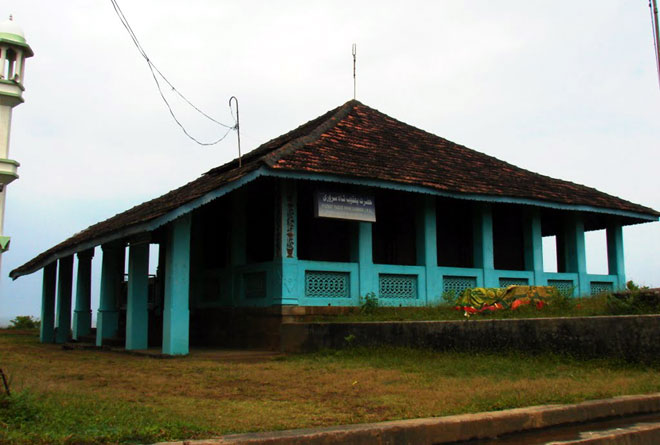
(350, 204)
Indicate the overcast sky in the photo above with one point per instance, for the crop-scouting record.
(567, 89)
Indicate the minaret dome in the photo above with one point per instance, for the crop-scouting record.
(13, 51)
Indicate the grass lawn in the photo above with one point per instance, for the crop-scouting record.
(84, 396)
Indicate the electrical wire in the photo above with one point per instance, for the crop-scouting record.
(155, 72)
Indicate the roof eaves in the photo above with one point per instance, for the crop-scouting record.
(652, 215)
(54, 253)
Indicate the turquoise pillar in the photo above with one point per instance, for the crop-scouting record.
(64, 289)
(574, 252)
(176, 311)
(533, 237)
(47, 329)
(112, 274)
(483, 243)
(288, 242)
(82, 315)
(615, 253)
(427, 247)
(365, 259)
(137, 320)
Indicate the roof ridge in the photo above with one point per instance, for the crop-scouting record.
(271, 158)
(258, 154)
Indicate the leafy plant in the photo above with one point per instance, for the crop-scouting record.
(369, 303)
(24, 322)
(449, 297)
(635, 300)
(482, 300)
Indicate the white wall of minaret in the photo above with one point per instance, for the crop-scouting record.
(13, 52)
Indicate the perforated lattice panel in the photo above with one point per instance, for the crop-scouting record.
(506, 282)
(397, 286)
(255, 284)
(458, 284)
(321, 284)
(565, 287)
(598, 287)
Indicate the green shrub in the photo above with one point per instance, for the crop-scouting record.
(369, 303)
(635, 300)
(24, 322)
(450, 297)
(562, 300)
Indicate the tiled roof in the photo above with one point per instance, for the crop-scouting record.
(368, 144)
(357, 141)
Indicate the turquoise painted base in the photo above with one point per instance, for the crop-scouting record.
(82, 324)
(106, 325)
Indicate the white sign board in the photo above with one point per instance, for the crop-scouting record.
(350, 206)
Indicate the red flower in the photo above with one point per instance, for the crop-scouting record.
(469, 309)
(540, 304)
(519, 302)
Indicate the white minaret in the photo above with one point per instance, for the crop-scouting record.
(13, 52)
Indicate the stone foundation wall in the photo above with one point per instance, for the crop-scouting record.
(257, 327)
(634, 338)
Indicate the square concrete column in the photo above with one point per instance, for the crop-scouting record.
(82, 314)
(47, 329)
(427, 246)
(362, 253)
(287, 248)
(533, 237)
(483, 243)
(137, 319)
(615, 262)
(176, 311)
(64, 289)
(112, 275)
(573, 251)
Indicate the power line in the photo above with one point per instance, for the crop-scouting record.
(154, 70)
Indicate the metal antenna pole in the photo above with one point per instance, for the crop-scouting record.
(237, 127)
(354, 82)
(656, 33)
